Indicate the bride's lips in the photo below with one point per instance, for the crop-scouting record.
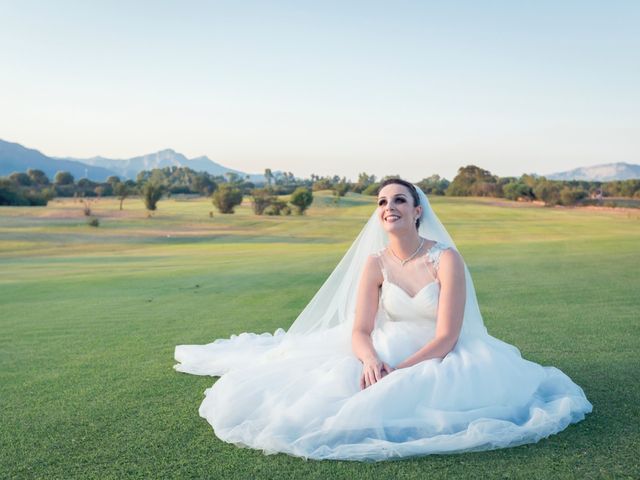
(392, 218)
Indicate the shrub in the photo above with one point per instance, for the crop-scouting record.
(122, 191)
(226, 197)
(278, 207)
(571, 197)
(515, 190)
(86, 209)
(20, 179)
(38, 177)
(63, 178)
(371, 189)
(434, 185)
(301, 198)
(151, 194)
(340, 189)
(548, 192)
(261, 199)
(473, 180)
(93, 222)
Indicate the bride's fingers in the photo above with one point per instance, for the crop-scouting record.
(369, 378)
(362, 384)
(387, 368)
(376, 374)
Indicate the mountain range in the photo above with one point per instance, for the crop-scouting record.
(16, 158)
(606, 172)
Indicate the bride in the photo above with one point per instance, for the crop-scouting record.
(389, 359)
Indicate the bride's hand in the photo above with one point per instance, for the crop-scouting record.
(373, 371)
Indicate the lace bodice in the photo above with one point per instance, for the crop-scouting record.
(397, 302)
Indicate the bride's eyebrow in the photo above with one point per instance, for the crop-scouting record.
(396, 195)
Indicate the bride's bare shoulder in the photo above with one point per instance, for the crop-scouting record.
(450, 263)
(372, 271)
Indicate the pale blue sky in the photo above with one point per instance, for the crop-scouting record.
(405, 87)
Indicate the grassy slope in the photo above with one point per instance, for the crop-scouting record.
(90, 317)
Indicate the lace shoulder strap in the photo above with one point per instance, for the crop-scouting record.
(433, 255)
(378, 256)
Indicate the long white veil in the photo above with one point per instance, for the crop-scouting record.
(331, 308)
(334, 303)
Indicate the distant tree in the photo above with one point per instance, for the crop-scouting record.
(204, 185)
(529, 180)
(122, 191)
(10, 194)
(113, 180)
(261, 199)
(226, 197)
(372, 189)
(278, 207)
(63, 178)
(516, 190)
(20, 179)
(151, 194)
(548, 192)
(340, 188)
(472, 180)
(268, 176)
(322, 184)
(103, 190)
(434, 185)
(301, 198)
(569, 196)
(364, 180)
(143, 176)
(38, 177)
(232, 177)
(85, 183)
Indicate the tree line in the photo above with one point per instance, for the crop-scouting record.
(227, 191)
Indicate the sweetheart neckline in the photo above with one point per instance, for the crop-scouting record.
(407, 293)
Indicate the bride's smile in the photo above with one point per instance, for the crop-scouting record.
(396, 209)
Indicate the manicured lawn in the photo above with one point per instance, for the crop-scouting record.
(89, 318)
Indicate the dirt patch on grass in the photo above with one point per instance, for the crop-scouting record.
(512, 204)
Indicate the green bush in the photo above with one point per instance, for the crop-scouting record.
(63, 178)
(261, 198)
(570, 197)
(278, 207)
(371, 189)
(548, 192)
(515, 190)
(151, 194)
(301, 198)
(226, 197)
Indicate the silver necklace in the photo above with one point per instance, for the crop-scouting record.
(402, 262)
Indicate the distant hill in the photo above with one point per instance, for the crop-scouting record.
(600, 173)
(130, 167)
(16, 158)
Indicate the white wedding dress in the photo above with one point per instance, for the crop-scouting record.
(301, 395)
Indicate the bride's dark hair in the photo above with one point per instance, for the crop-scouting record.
(412, 190)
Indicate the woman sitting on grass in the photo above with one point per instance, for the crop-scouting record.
(389, 359)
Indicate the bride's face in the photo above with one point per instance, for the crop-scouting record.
(396, 210)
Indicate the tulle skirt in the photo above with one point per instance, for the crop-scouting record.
(301, 396)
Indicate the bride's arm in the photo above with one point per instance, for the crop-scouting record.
(366, 309)
(453, 295)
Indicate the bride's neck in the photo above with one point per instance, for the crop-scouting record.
(405, 245)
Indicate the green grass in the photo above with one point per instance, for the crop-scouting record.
(89, 318)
